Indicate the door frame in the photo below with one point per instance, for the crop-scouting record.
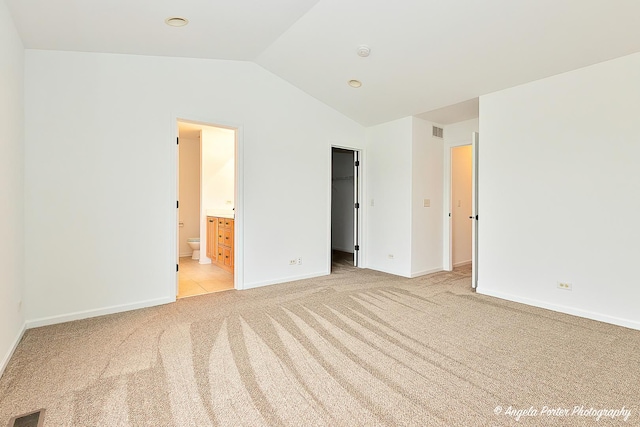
(238, 270)
(358, 225)
(447, 252)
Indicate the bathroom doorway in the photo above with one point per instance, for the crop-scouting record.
(207, 192)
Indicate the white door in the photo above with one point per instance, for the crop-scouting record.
(474, 217)
(177, 214)
(356, 206)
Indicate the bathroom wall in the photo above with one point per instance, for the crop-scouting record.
(218, 176)
(189, 192)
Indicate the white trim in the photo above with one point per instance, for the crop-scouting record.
(461, 263)
(85, 314)
(563, 309)
(185, 255)
(284, 280)
(12, 349)
(425, 272)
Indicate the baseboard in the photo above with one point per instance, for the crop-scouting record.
(190, 254)
(462, 263)
(563, 309)
(425, 272)
(14, 345)
(283, 280)
(52, 320)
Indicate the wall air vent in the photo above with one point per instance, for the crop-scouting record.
(437, 132)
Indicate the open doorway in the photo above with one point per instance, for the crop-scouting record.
(345, 208)
(206, 208)
(461, 206)
(461, 224)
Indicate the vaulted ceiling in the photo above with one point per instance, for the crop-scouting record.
(430, 58)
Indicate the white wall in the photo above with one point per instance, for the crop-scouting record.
(559, 182)
(404, 167)
(342, 201)
(217, 176)
(388, 177)
(11, 186)
(427, 173)
(92, 210)
(189, 193)
(461, 208)
(460, 133)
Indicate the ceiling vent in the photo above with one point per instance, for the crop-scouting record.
(438, 132)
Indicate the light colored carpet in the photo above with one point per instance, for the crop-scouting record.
(354, 348)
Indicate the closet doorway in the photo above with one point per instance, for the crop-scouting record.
(345, 208)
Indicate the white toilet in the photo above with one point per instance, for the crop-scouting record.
(194, 242)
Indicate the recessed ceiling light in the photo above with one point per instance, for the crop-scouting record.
(355, 83)
(176, 21)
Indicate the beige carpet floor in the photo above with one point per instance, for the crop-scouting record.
(356, 348)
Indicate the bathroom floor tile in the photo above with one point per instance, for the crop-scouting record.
(216, 285)
(198, 279)
(188, 288)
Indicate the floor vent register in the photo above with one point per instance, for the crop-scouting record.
(32, 419)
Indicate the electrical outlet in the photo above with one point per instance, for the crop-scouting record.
(293, 262)
(564, 285)
(299, 260)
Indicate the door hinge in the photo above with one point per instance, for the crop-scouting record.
(357, 205)
(357, 163)
(177, 267)
(357, 247)
(177, 140)
(177, 204)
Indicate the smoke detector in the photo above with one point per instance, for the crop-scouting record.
(363, 51)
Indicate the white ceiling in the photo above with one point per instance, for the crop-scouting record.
(425, 54)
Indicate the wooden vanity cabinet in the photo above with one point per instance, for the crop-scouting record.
(212, 238)
(221, 243)
(225, 244)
